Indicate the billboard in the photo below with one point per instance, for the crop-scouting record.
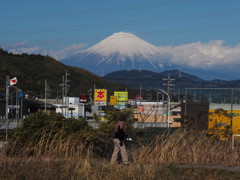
(113, 100)
(122, 96)
(83, 98)
(122, 99)
(100, 97)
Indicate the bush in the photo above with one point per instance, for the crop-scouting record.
(40, 133)
(43, 135)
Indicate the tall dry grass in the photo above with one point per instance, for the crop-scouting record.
(58, 156)
(52, 147)
(45, 143)
(192, 147)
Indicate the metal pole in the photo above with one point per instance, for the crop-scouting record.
(100, 109)
(231, 121)
(168, 107)
(45, 93)
(16, 105)
(18, 108)
(157, 109)
(185, 109)
(6, 115)
(11, 94)
(21, 110)
(63, 93)
(83, 110)
(140, 88)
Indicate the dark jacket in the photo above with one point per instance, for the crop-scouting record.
(120, 134)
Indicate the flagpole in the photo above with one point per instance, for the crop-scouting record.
(7, 95)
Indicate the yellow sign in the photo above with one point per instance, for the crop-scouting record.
(113, 100)
(222, 120)
(100, 97)
(122, 96)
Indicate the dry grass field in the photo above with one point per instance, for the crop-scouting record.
(162, 159)
(59, 150)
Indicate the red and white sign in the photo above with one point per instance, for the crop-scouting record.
(13, 81)
(83, 98)
(100, 97)
(140, 109)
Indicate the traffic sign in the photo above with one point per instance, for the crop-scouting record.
(140, 109)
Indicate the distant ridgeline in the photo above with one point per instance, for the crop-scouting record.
(178, 80)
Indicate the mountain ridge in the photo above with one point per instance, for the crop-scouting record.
(154, 80)
(32, 70)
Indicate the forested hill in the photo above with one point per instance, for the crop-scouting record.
(32, 71)
(180, 79)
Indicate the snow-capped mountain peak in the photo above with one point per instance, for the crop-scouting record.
(125, 45)
(120, 51)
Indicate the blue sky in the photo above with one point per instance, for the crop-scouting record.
(56, 24)
(192, 33)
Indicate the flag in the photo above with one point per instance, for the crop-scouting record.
(13, 81)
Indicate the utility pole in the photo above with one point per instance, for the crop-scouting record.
(169, 85)
(140, 89)
(169, 89)
(90, 95)
(66, 90)
(63, 93)
(46, 89)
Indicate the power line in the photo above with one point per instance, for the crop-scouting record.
(153, 33)
(103, 10)
(123, 23)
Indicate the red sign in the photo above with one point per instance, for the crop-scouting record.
(100, 97)
(140, 109)
(13, 81)
(100, 94)
(83, 98)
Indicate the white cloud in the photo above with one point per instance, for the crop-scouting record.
(211, 55)
(199, 55)
(23, 47)
(67, 51)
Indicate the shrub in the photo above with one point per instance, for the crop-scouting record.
(41, 133)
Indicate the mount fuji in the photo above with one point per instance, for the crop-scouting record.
(126, 51)
(120, 51)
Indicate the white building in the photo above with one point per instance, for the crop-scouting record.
(71, 107)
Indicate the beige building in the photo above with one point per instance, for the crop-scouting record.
(157, 112)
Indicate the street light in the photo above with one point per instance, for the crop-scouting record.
(168, 107)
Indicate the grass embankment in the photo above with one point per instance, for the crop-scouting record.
(55, 151)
